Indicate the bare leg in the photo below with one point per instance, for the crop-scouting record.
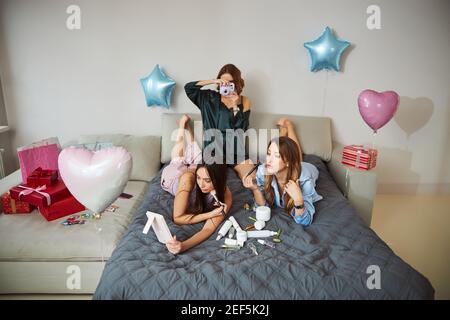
(178, 148)
(287, 129)
(243, 168)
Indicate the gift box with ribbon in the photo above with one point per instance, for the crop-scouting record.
(42, 196)
(62, 208)
(41, 177)
(43, 154)
(359, 157)
(14, 206)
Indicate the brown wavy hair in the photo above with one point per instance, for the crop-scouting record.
(236, 74)
(290, 154)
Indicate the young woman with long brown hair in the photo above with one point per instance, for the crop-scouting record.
(225, 112)
(284, 180)
(200, 190)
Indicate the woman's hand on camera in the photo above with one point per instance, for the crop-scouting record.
(221, 82)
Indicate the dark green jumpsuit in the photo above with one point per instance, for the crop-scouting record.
(216, 115)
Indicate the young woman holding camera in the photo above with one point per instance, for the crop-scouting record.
(225, 110)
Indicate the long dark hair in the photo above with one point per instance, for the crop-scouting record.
(218, 175)
(290, 154)
(235, 73)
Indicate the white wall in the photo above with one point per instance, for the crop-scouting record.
(65, 83)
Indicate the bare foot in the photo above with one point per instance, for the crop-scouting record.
(282, 122)
(183, 120)
(285, 123)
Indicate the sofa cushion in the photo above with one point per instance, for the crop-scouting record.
(145, 151)
(29, 237)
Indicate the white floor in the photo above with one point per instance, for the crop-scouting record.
(417, 228)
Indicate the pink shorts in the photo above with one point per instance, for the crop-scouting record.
(178, 166)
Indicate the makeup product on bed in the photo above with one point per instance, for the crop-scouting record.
(231, 232)
(241, 236)
(267, 243)
(235, 223)
(231, 242)
(260, 233)
(259, 225)
(226, 247)
(263, 213)
(249, 227)
(253, 248)
(224, 229)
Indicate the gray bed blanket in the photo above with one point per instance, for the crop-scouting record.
(337, 257)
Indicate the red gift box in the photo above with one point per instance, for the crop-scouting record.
(42, 196)
(62, 208)
(41, 177)
(12, 206)
(359, 157)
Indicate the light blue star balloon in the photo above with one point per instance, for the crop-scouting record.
(326, 51)
(158, 88)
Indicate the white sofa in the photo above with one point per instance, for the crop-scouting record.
(35, 254)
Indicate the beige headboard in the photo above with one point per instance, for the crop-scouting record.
(314, 132)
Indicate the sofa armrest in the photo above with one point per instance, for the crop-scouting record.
(10, 181)
(360, 187)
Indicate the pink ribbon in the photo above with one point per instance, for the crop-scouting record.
(28, 191)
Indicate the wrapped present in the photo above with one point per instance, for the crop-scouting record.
(42, 196)
(41, 177)
(14, 206)
(359, 157)
(64, 207)
(42, 154)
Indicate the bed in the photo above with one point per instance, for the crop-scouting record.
(334, 258)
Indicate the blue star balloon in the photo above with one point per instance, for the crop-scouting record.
(326, 51)
(158, 88)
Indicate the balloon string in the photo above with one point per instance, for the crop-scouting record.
(324, 93)
(373, 140)
(99, 230)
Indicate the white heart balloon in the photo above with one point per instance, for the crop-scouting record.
(95, 178)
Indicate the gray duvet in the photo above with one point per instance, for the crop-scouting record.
(337, 257)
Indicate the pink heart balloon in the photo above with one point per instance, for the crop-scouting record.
(95, 178)
(377, 108)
